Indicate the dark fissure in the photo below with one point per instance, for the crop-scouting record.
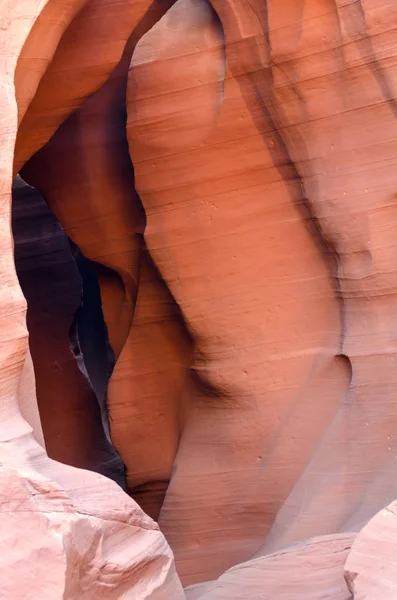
(68, 337)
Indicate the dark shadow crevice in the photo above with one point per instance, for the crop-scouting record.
(71, 395)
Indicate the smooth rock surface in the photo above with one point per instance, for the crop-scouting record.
(64, 533)
(270, 215)
(250, 312)
(224, 229)
(371, 567)
(312, 570)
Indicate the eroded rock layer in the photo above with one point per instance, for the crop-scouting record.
(225, 172)
(65, 533)
(267, 223)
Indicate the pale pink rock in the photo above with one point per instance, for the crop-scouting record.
(67, 533)
(311, 570)
(371, 567)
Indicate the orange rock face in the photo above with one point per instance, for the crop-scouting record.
(224, 172)
(64, 533)
(224, 228)
(262, 221)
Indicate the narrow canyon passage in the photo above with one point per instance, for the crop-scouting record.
(86, 176)
(70, 410)
(205, 234)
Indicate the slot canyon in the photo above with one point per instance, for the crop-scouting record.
(198, 265)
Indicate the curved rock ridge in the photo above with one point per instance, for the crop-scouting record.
(371, 568)
(274, 230)
(311, 570)
(81, 536)
(64, 533)
(225, 174)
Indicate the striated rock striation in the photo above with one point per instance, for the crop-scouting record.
(273, 227)
(206, 243)
(64, 533)
(224, 228)
(311, 570)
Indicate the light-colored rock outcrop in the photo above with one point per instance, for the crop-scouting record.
(311, 570)
(371, 567)
(79, 535)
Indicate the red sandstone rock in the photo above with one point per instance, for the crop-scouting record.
(87, 179)
(263, 143)
(226, 234)
(273, 225)
(64, 533)
(337, 120)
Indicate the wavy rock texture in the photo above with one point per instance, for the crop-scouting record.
(224, 228)
(84, 170)
(338, 122)
(312, 570)
(225, 173)
(64, 533)
(274, 230)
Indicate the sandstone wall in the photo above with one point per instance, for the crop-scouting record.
(228, 170)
